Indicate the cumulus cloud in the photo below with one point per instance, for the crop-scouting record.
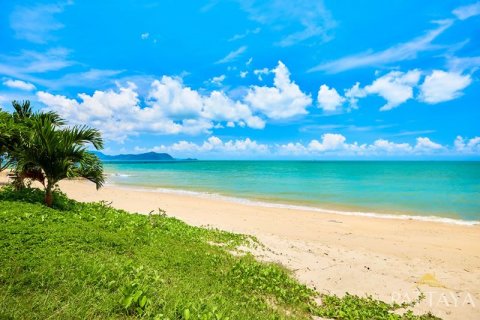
(329, 145)
(390, 147)
(214, 144)
(282, 101)
(425, 144)
(354, 94)
(170, 107)
(442, 86)
(329, 99)
(145, 36)
(395, 87)
(330, 141)
(467, 146)
(19, 84)
(337, 144)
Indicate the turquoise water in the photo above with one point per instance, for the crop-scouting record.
(444, 189)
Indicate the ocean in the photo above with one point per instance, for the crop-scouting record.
(417, 189)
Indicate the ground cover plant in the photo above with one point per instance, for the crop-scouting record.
(77, 261)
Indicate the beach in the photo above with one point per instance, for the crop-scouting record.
(390, 259)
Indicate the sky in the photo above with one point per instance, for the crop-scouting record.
(253, 79)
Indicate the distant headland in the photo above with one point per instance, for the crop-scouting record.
(148, 156)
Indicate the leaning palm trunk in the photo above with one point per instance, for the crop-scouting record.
(49, 194)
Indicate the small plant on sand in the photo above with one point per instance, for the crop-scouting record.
(368, 308)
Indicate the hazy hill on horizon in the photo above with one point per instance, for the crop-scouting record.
(148, 156)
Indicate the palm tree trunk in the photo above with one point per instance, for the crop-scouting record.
(49, 194)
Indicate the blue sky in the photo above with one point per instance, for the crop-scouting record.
(253, 79)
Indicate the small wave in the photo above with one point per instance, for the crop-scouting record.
(216, 196)
(120, 175)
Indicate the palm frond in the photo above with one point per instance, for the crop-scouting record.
(83, 135)
(90, 168)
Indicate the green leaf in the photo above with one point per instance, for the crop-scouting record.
(143, 302)
(127, 302)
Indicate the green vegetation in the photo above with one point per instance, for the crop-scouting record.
(39, 146)
(87, 261)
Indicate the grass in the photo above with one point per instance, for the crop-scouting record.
(90, 261)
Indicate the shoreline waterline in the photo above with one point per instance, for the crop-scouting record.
(266, 204)
(424, 189)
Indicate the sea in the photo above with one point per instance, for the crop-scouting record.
(447, 191)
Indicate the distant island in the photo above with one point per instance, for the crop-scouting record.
(148, 156)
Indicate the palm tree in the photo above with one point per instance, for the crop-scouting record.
(23, 110)
(15, 130)
(55, 153)
(6, 134)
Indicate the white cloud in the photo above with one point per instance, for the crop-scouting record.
(383, 145)
(243, 74)
(260, 72)
(145, 36)
(36, 23)
(329, 99)
(170, 98)
(215, 145)
(171, 108)
(249, 61)
(283, 100)
(218, 80)
(19, 84)
(467, 146)
(353, 94)
(330, 141)
(292, 148)
(443, 86)
(219, 107)
(468, 11)
(396, 87)
(400, 52)
(425, 144)
(233, 55)
(329, 145)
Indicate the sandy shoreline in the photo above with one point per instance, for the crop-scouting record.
(386, 258)
(349, 211)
